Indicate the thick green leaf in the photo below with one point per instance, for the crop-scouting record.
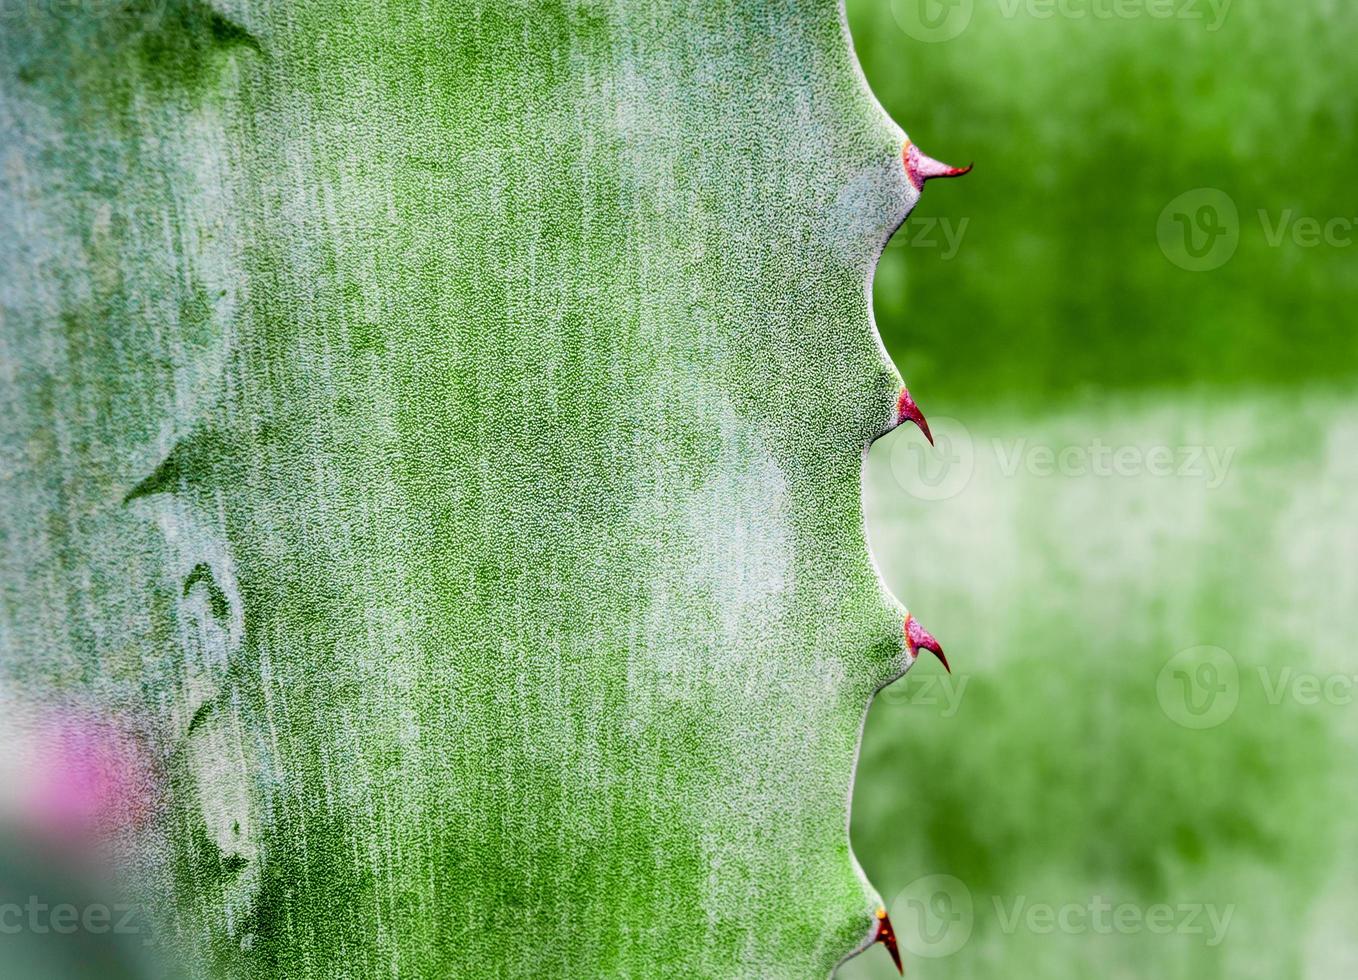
(436, 430)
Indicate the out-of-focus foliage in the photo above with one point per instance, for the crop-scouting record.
(1084, 128)
(1146, 460)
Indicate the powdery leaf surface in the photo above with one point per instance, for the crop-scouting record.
(435, 431)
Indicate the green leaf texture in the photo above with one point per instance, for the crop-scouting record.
(436, 430)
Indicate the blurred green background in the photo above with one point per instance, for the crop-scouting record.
(1133, 330)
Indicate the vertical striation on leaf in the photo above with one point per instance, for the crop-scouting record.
(386, 419)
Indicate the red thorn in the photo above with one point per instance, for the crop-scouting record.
(907, 409)
(916, 636)
(887, 937)
(920, 168)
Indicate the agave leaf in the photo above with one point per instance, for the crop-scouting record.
(435, 430)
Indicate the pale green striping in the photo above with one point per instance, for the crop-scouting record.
(512, 364)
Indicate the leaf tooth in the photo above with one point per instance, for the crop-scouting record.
(920, 167)
(887, 937)
(917, 637)
(907, 410)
